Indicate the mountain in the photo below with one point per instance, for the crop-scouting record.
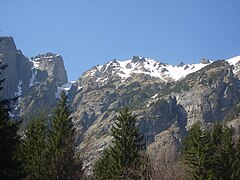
(36, 80)
(167, 99)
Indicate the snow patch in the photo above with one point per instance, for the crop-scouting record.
(72, 82)
(79, 88)
(153, 68)
(153, 97)
(177, 72)
(234, 60)
(66, 87)
(11, 114)
(156, 69)
(35, 63)
(126, 68)
(99, 67)
(33, 78)
(19, 93)
(148, 104)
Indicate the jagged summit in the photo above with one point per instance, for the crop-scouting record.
(153, 68)
(146, 66)
(52, 64)
(47, 55)
(166, 98)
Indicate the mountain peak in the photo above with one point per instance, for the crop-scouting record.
(138, 59)
(205, 61)
(144, 67)
(45, 56)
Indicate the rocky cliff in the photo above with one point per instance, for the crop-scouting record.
(167, 99)
(37, 81)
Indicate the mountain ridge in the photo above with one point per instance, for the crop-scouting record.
(167, 99)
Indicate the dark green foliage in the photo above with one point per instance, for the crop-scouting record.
(123, 157)
(48, 150)
(197, 152)
(236, 164)
(10, 166)
(227, 154)
(216, 137)
(212, 154)
(224, 152)
(102, 166)
(63, 164)
(127, 143)
(33, 149)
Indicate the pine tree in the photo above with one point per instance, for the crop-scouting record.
(102, 166)
(197, 152)
(10, 166)
(227, 154)
(216, 138)
(224, 158)
(32, 150)
(123, 157)
(63, 163)
(236, 163)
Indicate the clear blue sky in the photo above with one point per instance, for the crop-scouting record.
(91, 32)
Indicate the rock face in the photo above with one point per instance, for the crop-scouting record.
(17, 64)
(167, 99)
(37, 81)
(167, 102)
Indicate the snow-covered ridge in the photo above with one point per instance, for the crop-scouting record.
(166, 72)
(45, 56)
(139, 65)
(235, 61)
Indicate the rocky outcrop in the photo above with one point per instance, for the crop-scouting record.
(210, 94)
(36, 81)
(167, 99)
(49, 77)
(166, 110)
(18, 72)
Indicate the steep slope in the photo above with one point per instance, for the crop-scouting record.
(16, 81)
(48, 78)
(166, 106)
(37, 81)
(167, 99)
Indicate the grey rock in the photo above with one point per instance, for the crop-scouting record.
(166, 108)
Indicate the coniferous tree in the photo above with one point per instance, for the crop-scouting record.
(224, 158)
(63, 163)
(102, 166)
(32, 150)
(197, 152)
(217, 158)
(236, 163)
(216, 138)
(124, 156)
(227, 154)
(10, 166)
(127, 144)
